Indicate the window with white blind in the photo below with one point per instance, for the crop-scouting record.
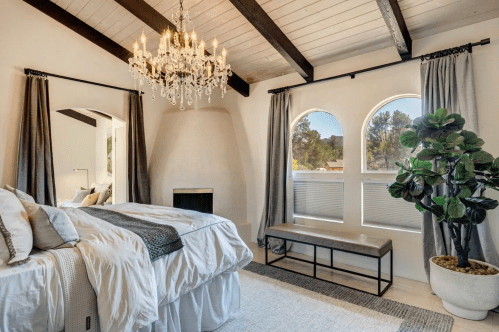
(381, 148)
(317, 147)
(318, 199)
(380, 209)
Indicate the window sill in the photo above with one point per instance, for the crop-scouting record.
(302, 217)
(393, 228)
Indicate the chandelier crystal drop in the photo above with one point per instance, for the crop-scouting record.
(182, 69)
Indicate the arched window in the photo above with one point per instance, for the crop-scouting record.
(382, 146)
(382, 149)
(317, 143)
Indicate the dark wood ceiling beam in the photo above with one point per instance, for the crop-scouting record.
(78, 116)
(395, 22)
(274, 35)
(156, 21)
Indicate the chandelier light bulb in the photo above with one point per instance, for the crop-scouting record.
(143, 38)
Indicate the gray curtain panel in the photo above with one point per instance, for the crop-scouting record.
(35, 165)
(138, 179)
(274, 210)
(448, 82)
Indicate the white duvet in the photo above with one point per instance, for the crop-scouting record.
(129, 288)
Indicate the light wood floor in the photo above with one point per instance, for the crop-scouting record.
(403, 290)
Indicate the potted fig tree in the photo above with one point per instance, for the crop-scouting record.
(454, 157)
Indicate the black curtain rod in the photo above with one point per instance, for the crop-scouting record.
(430, 56)
(28, 71)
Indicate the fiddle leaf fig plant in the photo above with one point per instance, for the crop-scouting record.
(453, 157)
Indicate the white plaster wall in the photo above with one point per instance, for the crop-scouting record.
(350, 101)
(73, 144)
(103, 127)
(197, 148)
(31, 39)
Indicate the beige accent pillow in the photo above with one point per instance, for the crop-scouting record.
(90, 200)
(51, 227)
(16, 237)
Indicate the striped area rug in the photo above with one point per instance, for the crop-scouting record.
(276, 300)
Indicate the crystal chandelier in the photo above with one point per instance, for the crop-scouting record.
(182, 68)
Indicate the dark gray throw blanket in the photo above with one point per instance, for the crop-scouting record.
(159, 239)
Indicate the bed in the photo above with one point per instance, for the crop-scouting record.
(192, 289)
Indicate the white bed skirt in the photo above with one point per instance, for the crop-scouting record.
(205, 308)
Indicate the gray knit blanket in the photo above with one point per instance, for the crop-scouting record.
(159, 239)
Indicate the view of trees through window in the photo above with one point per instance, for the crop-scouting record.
(318, 143)
(384, 130)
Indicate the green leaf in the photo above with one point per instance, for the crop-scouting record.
(468, 135)
(468, 164)
(416, 185)
(495, 166)
(440, 200)
(395, 189)
(476, 216)
(434, 180)
(438, 146)
(441, 113)
(482, 202)
(441, 166)
(428, 154)
(447, 121)
(454, 139)
(420, 208)
(482, 157)
(458, 123)
(462, 174)
(455, 208)
(465, 192)
(409, 139)
(416, 163)
(403, 178)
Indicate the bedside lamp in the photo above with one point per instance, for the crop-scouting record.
(82, 169)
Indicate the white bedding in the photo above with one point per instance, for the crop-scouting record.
(129, 288)
(211, 246)
(31, 296)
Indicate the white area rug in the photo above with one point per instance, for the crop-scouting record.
(276, 300)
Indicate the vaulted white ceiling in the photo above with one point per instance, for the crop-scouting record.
(324, 31)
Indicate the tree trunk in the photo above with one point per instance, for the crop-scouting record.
(463, 260)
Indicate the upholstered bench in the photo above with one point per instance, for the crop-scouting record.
(353, 243)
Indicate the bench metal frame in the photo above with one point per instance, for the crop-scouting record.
(378, 278)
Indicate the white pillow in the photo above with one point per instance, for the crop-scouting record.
(100, 187)
(80, 195)
(20, 194)
(15, 231)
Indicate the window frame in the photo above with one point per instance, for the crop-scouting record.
(312, 175)
(293, 127)
(367, 120)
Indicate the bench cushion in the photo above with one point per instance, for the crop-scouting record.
(358, 243)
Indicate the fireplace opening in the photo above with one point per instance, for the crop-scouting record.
(196, 199)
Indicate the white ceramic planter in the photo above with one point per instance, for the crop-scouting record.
(465, 295)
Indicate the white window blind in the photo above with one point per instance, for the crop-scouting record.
(379, 208)
(318, 199)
